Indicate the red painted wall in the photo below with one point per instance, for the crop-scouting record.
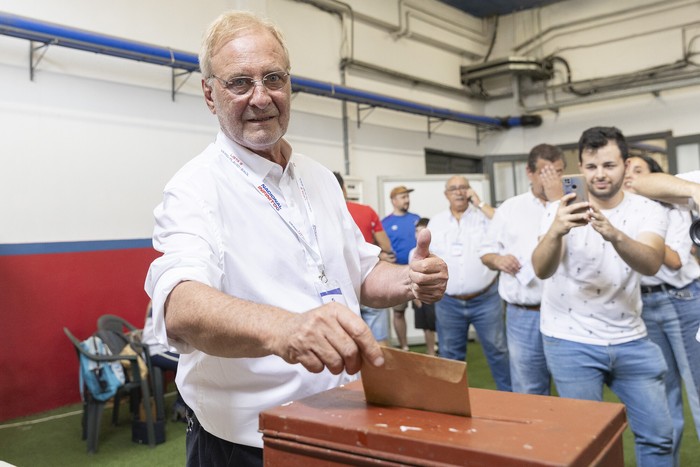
(42, 293)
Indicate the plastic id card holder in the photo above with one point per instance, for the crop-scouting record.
(330, 292)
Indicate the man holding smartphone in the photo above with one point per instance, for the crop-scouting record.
(593, 260)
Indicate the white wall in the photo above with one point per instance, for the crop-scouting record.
(87, 147)
(600, 38)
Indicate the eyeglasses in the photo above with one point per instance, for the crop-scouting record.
(452, 189)
(240, 85)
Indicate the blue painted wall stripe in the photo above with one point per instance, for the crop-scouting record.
(13, 249)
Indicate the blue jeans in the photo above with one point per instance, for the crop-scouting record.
(635, 372)
(672, 318)
(486, 314)
(528, 366)
(377, 319)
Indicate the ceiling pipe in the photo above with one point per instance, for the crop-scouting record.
(53, 34)
(364, 97)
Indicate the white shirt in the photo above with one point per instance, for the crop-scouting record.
(678, 239)
(594, 296)
(514, 230)
(214, 227)
(457, 243)
(693, 176)
(148, 337)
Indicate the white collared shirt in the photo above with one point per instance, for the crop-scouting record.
(693, 176)
(678, 239)
(457, 243)
(514, 230)
(214, 227)
(594, 296)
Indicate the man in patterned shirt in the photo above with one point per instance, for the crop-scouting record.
(592, 255)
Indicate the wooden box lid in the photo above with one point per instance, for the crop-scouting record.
(505, 429)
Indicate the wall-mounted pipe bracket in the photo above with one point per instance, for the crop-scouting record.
(33, 58)
(433, 124)
(366, 109)
(174, 87)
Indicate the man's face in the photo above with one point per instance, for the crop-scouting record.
(534, 177)
(604, 171)
(456, 192)
(401, 202)
(258, 119)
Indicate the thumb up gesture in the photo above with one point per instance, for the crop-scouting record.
(427, 272)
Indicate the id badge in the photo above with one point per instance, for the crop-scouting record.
(330, 292)
(456, 249)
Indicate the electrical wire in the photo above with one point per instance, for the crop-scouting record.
(493, 39)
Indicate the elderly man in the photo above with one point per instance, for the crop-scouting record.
(472, 289)
(263, 268)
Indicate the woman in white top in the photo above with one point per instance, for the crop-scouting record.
(671, 307)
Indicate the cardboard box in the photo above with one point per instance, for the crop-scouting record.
(338, 427)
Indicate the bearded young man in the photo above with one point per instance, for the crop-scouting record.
(592, 255)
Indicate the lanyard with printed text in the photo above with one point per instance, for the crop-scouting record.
(263, 190)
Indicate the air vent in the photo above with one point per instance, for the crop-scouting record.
(535, 69)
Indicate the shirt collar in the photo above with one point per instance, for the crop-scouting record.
(260, 166)
(535, 199)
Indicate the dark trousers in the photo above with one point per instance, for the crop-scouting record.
(207, 450)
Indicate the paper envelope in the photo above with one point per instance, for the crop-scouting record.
(418, 381)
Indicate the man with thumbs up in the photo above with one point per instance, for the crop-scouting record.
(263, 268)
(472, 291)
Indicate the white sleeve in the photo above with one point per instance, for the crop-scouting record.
(548, 217)
(693, 176)
(190, 243)
(492, 242)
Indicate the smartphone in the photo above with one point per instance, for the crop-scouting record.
(575, 184)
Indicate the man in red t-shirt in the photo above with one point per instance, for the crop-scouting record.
(369, 224)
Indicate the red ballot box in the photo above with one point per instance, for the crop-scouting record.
(338, 427)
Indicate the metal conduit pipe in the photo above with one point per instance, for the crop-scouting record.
(638, 12)
(369, 98)
(52, 34)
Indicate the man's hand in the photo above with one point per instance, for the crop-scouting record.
(551, 182)
(387, 256)
(601, 225)
(330, 336)
(507, 263)
(473, 197)
(427, 272)
(569, 216)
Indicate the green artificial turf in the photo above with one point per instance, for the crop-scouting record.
(55, 440)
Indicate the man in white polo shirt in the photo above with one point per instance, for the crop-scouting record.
(508, 246)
